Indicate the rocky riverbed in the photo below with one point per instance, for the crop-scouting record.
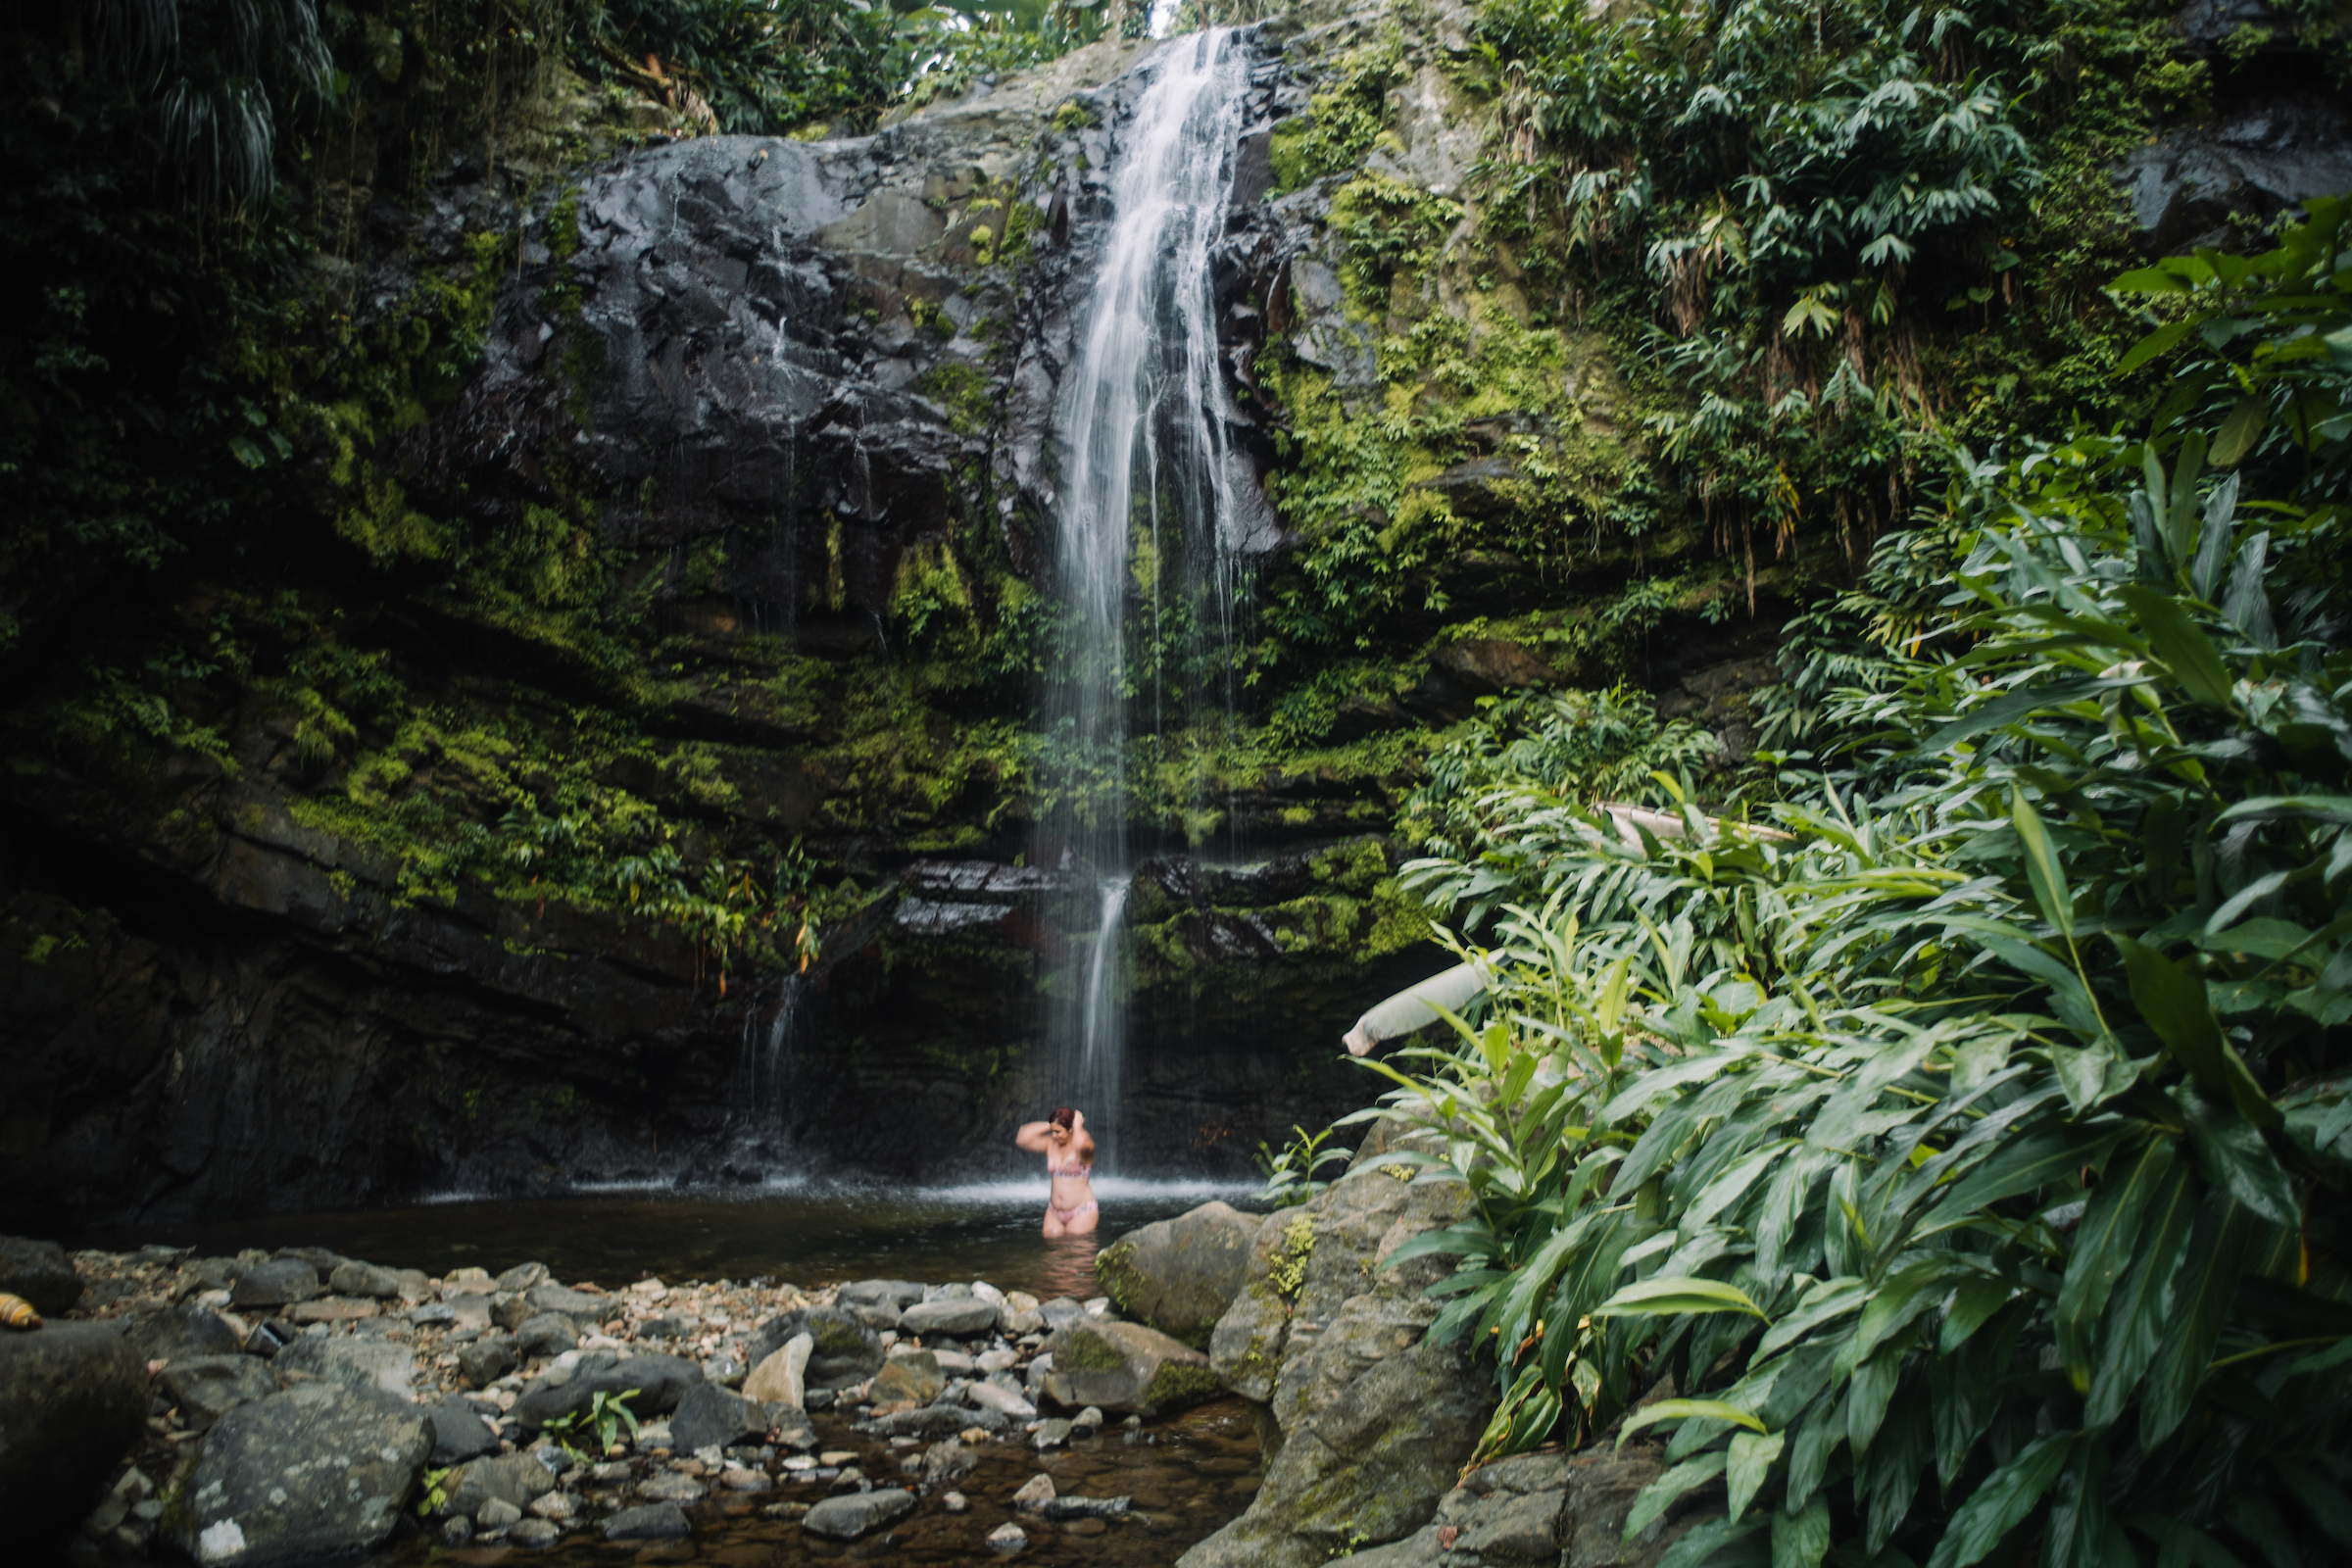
(1251, 1390)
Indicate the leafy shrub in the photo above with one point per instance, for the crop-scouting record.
(1972, 1159)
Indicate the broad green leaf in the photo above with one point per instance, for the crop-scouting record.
(1704, 1542)
(1752, 1459)
(2136, 1309)
(1662, 1494)
(2020, 703)
(1656, 1296)
(2179, 643)
(1978, 1296)
(2241, 430)
(1686, 1410)
(2102, 1250)
(1868, 1396)
(2230, 1154)
(1817, 1438)
(1801, 1539)
(2155, 343)
(2202, 1290)
(2020, 1167)
(2271, 808)
(2002, 1503)
(1892, 1471)
(2041, 864)
(2153, 280)
(1966, 1388)
(2172, 1001)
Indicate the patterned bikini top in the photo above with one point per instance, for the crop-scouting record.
(1075, 1167)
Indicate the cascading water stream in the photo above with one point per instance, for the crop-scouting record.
(1149, 479)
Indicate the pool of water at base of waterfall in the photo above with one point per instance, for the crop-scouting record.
(803, 1234)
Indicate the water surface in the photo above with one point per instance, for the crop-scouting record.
(807, 1234)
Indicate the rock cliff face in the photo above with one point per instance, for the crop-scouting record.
(812, 363)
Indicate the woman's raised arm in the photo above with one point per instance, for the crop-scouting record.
(1036, 1137)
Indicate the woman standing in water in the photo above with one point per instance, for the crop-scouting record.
(1070, 1152)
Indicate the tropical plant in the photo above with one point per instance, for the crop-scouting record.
(1971, 1159)
(1292, 1172)
(607, 1413)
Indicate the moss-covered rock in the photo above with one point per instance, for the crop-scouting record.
(1178, 1274)
(1124, 1366)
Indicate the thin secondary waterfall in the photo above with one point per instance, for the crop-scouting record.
(1150, 476)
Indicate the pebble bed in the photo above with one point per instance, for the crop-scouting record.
(1048, 1486)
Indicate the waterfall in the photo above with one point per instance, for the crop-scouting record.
(764, 1065)
(1150, 478)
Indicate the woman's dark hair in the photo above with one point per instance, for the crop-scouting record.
(1062, 1118)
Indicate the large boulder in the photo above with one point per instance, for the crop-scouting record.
(1178, 1274)
(207, 1388)
(914, 1379)
(184, 1331)
(39, 1272)
(318, 1471)
(1124, 1366)
(842, 1349)
(1376, 1420)
(73, 1401)
(460, 1433)
(780, 1377)
(660, 1381)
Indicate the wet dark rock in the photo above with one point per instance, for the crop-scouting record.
(207, 1387)
(938, 1421)
(546, 1334)
(39, 1272)
(2252, 159)
(181, 1331)
(460, 1433)
(660, 1381)
(73, 1401)
(898, 1295)
(281, 1282)
(857, 1513)
(577, 1305)
(956, 1317)
(656, 1521)
(484, 1361)
(710, 1417)
(1178, 1274)
(1549, 1509)
(314, 1472)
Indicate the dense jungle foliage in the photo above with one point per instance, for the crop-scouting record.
(1971, 1144)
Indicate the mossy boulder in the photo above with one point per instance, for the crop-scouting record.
(1376, 1420)
(1125, 1366)
(1178, 1274)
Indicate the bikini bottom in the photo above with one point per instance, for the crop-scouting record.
(1061, 1216)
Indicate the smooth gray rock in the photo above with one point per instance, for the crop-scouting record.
(352, 1278)
(1178, 1274)
(40, 1273)
(710, 1416)
(577, 1305)
(281, 1282)
(1554, 1509)
(73, 1401)
(857, 1513)
(546, 1334)
(316, 1471)
(182, 1331)
(207, 1388)
(535, 1533)
(523, 1276)
(897, 1294)
(484, 1361)
(1068, 1507)
(915, 1378)
(460, 1433)
(958, 1317)
(660, 1381)
(656, 1521)
(362, 1362)
(513, 1479)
